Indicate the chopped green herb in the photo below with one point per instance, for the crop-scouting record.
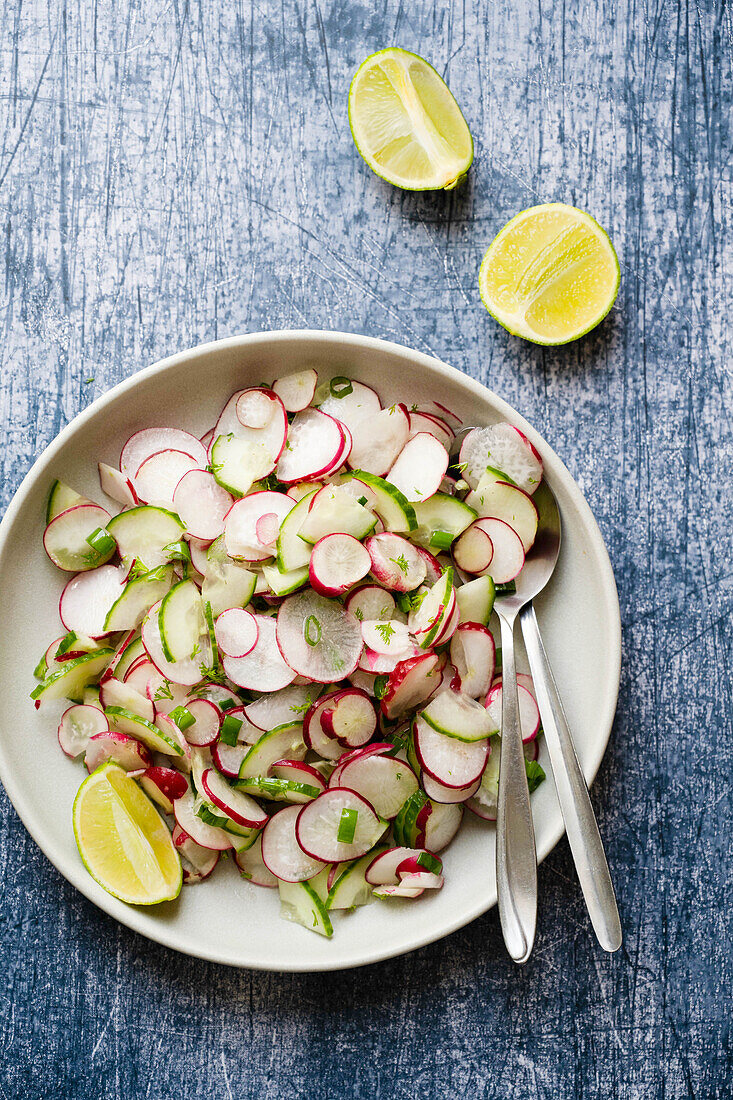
(401, 563)
(347, 826)
(359, 614)
(380, 686)
(229, 731)
(363, 501)
(164, 691)
(177, 551)
(386, 630)
(535, 774)
(182, 717)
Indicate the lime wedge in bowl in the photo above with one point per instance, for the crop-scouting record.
(550, 275)
(406, 123)
(123, 841)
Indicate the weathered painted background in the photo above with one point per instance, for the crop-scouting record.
(172, 172)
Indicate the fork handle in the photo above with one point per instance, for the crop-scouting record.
(516, 858)
(580, 822)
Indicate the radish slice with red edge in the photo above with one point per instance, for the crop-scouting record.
(240, 527)
(419, 468)
(474, 550)
(318, 637)
(349, 717)
(156, 480)
(163, 785)
(281, 852)
(297, 771)
(88, 597)
(252, 866)
(197, 862)
(338, 812)
(202, 504)
(370, 601)
(396, 562)
(384, 868)
(256, 408)
(392, 639)
(529, 715)
(337, 563)
(377, 440)
(385, 781)
(450, 762)
(296, 390)
(187, 671)
(208, 836)
(441, 826)
(228, 758)
(66, 539)
(117, 486)
(448, 795)
(204, 729)
(120, 748)
(506, 449)
(151, 440)
(411, 683)
(238, 806)
(263, 668)
(236, 632)
(77, 727)
(473, 655)
(434, 425)
(315, 442)
(350, 402)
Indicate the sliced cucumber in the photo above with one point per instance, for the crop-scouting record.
(336, 511)
(278, 790)
(405, 828)
(60, 498)
(138, 596)
(132, 724)
(212, 815)
(144, 532)
(237, 463)
(181, 621)
(70, 681)
(392, 506)
(351, 888)
(283, 583)
(300, 903)
(428, 619)
(281, 743)
(441, 513)
(126, 656)
(227, 584)
(293, 552)
(476, 600)
(459, 716)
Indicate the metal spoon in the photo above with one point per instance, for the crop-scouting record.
(516, 863)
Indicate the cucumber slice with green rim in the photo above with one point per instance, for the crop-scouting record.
(138, 596)
(441, 513)
(351, 888)
(392, 506)
(459, 716)
(281, 743)
(283, 583)
(300, 903)
(129, 651)
(475, 600)
(181, 621)
(409, 825)
(293, 552)
(60, 498)
(242, 837)
(70, 681)
(237, 463)
(428, 619)
(278, 790)
(134, 726)
(226, 585)
(144, 532)
(335, 511)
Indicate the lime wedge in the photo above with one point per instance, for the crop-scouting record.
(550, 275)
(406, 124)
(123, 841)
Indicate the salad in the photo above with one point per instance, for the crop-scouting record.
(278, 649)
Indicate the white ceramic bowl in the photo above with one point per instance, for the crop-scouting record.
(226, 919)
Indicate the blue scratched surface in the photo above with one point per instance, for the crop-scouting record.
(174, 172)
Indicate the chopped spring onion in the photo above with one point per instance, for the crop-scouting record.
(230, 727)
(341, 387)
(101, 541)
(441, 539)
(347, 826)
(182, 717)
(312, 630)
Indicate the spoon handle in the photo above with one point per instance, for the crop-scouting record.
(577, 811)
(516, 859)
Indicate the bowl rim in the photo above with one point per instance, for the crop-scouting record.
(75, 873)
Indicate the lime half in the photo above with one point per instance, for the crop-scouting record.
(550, 275)
(406, 124)
(123, 841)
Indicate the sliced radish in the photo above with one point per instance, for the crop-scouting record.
(263, 668)
(256, 408)
(420, 467)
(116, 486)
(433, 569)
(385, 781)
(188, 671)
(496, 499)
(88, 597)
(529, 715)
(237, 806)
(279, 707)
(450, 626)
(337, 563)
(281, 852)
(370, 601)
(507, 450)
(320, 823)
(451, 762)
(197, 862)
(396, 562)
(474, 550)
(158, 475)
(228, 758)
(379, 663)
(391, 639)
(297, 771)
(315, 736)
(434, 425)
(387, 868)
(318, 637)
(377, 440)
(315, 442)
(296, 390)
(207, 718)
(66, 539)
(420, 880)
(270, 437)
(120, 748)
(508, 557)
(458, 716)
(202, 504)
(237, 632)
(412, 682)
(163, 785)
(240, 527)
(448, 795)
(252, 866)
(473, 655)
(385, 892)
(151, 440)
(349, 717)
(208, 836)
(441, 826)
(351, 406)
(77, 727)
